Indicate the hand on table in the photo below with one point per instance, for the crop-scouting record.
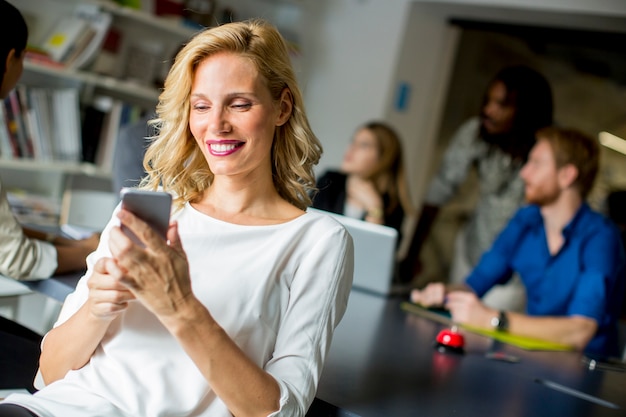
(466, 308)
(433, 295)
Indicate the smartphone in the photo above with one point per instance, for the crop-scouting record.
(153, 207)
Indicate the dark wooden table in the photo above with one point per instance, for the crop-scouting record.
(382, 363)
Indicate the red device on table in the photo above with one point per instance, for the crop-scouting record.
(450, 340)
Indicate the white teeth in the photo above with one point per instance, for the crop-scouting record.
(220, 147)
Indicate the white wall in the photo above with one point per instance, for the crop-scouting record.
(425, 65)
(600, 7)
(351, 62)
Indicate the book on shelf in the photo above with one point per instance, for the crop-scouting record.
(41, 124)
(67, 32)
(93, 121)
(66, 124)
(79, 46)
(8, 149)
(108, 135)
(75, 39)
(103, 120)
(99, 22)
(16, 128)
(39, 56)
(54, 128)
(29, 124)
(40, 103)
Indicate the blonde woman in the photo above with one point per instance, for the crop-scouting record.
(371, 183)
(234, 314)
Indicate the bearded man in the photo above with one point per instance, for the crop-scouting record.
(570, 258)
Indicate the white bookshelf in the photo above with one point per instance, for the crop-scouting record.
(135, 27)
(90, 83)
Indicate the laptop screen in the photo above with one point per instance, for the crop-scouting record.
(374, 253)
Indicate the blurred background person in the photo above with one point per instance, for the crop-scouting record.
(26, 253)
(569, 257)
(517, 102)
(371, 182)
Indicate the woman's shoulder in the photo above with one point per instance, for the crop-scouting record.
(320, 217)
(321, 221)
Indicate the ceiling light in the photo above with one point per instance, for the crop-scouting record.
(613, 142)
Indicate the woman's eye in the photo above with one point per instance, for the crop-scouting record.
(200, 107)
(241, 106)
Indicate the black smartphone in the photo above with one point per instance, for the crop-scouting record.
(153, 207)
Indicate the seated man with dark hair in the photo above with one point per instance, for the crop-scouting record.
(569, 257)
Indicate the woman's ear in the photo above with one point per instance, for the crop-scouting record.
(286, 107)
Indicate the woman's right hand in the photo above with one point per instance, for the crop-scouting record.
(108, 297)
(433, 295)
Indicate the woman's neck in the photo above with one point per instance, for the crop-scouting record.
(250, 202)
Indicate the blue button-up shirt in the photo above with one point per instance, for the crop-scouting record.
(586, 277)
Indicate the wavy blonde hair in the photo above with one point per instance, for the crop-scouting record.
(175, 162)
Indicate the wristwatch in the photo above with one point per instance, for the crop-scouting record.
(500, 322)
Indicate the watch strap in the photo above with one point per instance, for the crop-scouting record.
(501, 322)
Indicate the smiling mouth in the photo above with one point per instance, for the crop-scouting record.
(224, 148)
(220, 147)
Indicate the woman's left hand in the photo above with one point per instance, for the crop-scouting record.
(364, 192)
(158, 275)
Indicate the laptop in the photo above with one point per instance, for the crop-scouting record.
(374, 253)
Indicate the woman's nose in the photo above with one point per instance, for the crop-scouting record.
(218, 122)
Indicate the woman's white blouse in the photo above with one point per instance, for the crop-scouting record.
(279, 291)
